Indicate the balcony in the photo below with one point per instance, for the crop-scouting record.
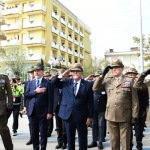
(62, 20)
(63, 63)
(81, 56)
(35, 9)
(9, 27)
(70, 26)
(34, 40)
(54, 45)
(76, 30)
(69, 64)
(70, 51)
(34, 25)
(55, 30)
(62, 34)
(76, 42)
(81, 33)
(62, 48)
(54, 15)
(70, 39)
(81, 44)
(10, 42)
(36, 57)
(11, 11)
(76, 54)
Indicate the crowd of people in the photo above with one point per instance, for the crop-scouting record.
(116, 104)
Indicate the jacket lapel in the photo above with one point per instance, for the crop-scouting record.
(80, 87)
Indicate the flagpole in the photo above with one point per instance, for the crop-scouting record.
(141, 40)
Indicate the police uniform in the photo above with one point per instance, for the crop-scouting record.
(122, 106)
(6, 106)
(17, 91)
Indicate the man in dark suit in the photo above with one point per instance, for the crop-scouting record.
(31, 75)
(40, 106)
(76, 106)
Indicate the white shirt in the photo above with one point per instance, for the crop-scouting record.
(78, 85)
(40, 80)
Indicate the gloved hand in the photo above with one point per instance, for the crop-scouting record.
(134, 121)
(147, 72)
(105, 71)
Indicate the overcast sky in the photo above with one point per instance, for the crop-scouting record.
(113, 23)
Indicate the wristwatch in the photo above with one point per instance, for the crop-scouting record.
(35, 92)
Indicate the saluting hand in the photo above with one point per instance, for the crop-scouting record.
(66, 73)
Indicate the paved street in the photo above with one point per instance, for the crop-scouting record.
(23, 136)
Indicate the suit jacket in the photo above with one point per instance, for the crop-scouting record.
(42, 103)
(5, 92)
(80, 107)
(122, 102)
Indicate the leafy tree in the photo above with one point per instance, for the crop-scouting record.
(146, 45)
(94, 65)
(14, 58)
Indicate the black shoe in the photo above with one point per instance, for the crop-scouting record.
(139, 145)
(64, 146)
(58, 146)
(48, 135)
(14, 133)
(29, 142)
(100, 146)
(104, 140)
(93, 144)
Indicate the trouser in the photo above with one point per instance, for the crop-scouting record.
(16, 109)
(60, 129)
(71, 127)
(98, 124)
(30, 130)
(5, 133)
(119, 131)
(50, 126)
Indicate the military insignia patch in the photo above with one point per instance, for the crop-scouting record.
(126, 84)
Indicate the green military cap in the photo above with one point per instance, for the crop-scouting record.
(39, 66)
(47, 73)
(117, 63)
(132, 70)
(31, 69)
(77, 67)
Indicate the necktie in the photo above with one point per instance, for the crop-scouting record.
(117, 81)
(37, 83)
(75, 88)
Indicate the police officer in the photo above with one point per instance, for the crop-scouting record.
(6, 106)
(143, 104)
(17, 91)
(122, 104)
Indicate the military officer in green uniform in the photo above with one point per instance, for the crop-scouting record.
(140, 81)
(6, 106)
(122, 104)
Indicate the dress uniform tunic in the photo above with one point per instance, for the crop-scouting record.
(5, 92)
(122, 106)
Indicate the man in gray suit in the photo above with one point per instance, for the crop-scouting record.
(122, 104)
(5, 110)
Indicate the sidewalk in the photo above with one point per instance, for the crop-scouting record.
(20, 140)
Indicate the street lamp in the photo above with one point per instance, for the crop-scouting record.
(141, 40)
